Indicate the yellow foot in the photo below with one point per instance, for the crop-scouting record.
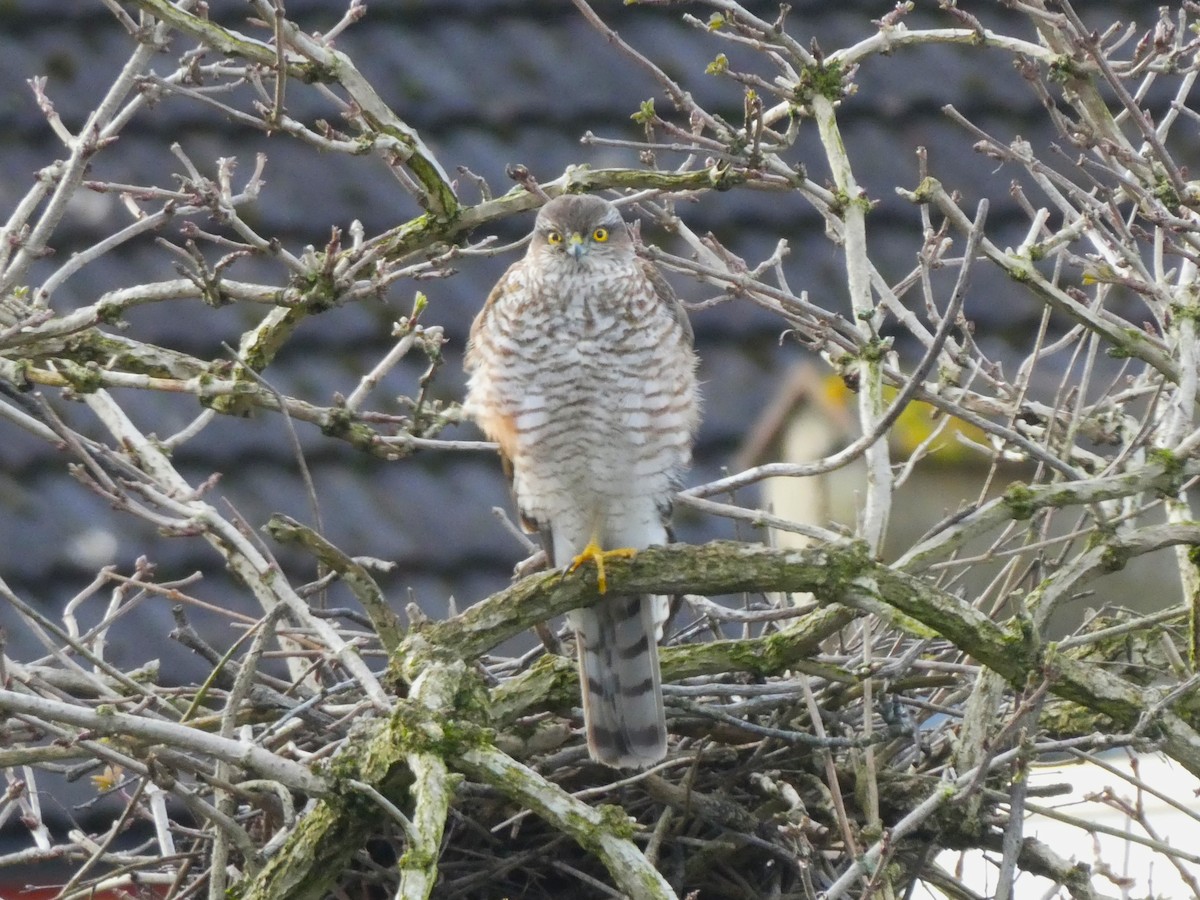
(593, 552)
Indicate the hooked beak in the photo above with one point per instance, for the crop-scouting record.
(576, 246)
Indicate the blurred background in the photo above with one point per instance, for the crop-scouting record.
(487, 84)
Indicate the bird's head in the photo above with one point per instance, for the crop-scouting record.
(579, 226)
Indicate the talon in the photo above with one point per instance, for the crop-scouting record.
(593, 552)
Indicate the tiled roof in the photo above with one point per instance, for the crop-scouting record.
(486, 84)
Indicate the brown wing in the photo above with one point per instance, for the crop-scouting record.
(497, 423)
(666, 294)
(669, 299)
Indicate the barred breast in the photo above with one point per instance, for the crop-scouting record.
(583, 371)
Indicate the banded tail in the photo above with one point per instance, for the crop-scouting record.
(622, 691)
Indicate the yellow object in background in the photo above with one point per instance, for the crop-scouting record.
(918, 421)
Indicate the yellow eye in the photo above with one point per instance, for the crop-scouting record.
(553, 237)
(600, 235)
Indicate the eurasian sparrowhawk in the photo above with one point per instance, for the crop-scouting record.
(582, 369)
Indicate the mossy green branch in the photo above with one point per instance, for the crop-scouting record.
(423, 231)
(719, 567)
(553, 682)
(384, 619)
(435, 698)
(95, 354)
(316, 852)
(439, 730)
(403, 757)
(323, 63)
(1125, 342)
(826, 80)
(218, 37)
(847, 576)
(1020, 501)
(319, 848)
(603, 832)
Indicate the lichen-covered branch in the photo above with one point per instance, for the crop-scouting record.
(109, 723)
(387, 624)
(604, 831)
(836, 575)
(432, 783)
(1127, 340)
(846, 574)
(315, 60)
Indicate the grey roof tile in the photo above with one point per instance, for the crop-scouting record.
(488, 83)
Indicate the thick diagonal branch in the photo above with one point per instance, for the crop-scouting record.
(842, 575)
